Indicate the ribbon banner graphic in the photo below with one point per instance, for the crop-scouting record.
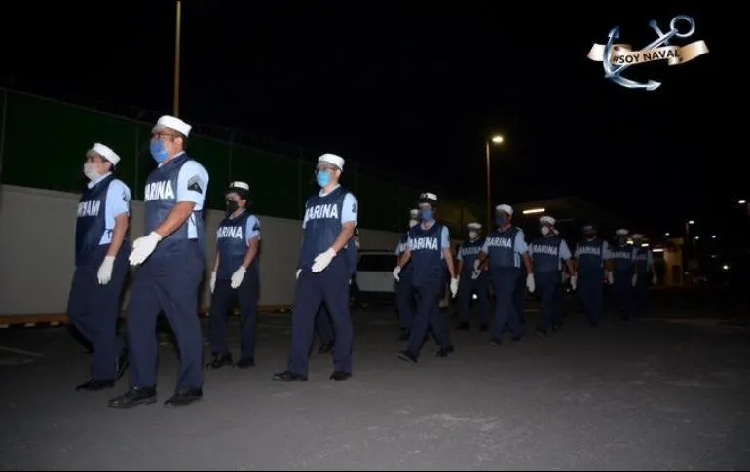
(615, 58)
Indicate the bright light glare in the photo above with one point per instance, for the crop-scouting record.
(533, 210)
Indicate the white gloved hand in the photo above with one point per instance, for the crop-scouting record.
(237, 277)
(634, 280)
(530, 283)
(350, 280)
(397, 271)
(323, 259)
(104, 275)
(454, 287)
(143, 247)
(475, 274)
(212, 281)
(296, 276)
(476, 265)
(574, 282)
(654, 279)
(610, 277)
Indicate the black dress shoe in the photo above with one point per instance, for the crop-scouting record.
(95, 385)
(444, 351)
(340, 375)
(184, 397)
(495, 342)
(134, 397)
(483, 328)
(407, 356)
(325, 348)
(244, 363)
(463, 326)
(289, 376)
(404, 336)
(219, 360)
(516, 338)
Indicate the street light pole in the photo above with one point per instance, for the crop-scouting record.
(178, 21)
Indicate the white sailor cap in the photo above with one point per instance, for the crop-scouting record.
(105, 153)
(506, 208)
(174, 123)
(332, 159)
(428, 197)
(239, 184)
(621, 232)
(474, 225)
(547, 220)
(414, 212)
(637, 236)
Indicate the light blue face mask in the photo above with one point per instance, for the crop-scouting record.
(324, 178)
(426, 214)
(158, 151)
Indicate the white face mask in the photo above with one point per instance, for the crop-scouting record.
(413, 223)
(545, 230)
(473, 235)
(89, 170)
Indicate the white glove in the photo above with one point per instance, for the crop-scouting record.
(654, 279)
(350, 280)
(212, 281)
(476, 265)
(610, 277)
(454, 287)
(296, 276)
(237, 277)
(574, 282)
(396, 271)
(530, 283)
(143, 247)
(323, 259)
(634, 280)
(105, 270)
(475, 274)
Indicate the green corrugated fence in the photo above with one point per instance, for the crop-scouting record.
(43, 142)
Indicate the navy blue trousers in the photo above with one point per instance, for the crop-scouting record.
(505, 286)
(428, 317)
(623, 293)
(324, 325)
(466, 288)
(331, 286)
(169, 283)
(222, 301)
(93, 309)
(519, 296)
(640, 293)
(591, 291)
(549, 288)
(404, 298)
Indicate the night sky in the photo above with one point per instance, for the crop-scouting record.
(414, 89)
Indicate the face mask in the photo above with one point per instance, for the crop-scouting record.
(622, 239)
(500, 220)
(413, 223)
(89, 170)
(426, 214)
(637, 242)
(473, 235)
(545, 230)
(232, 206)
(324, 178)
(158, 151)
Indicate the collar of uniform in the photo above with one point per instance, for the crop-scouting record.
(323, 194)
(102, 177)
(233, 217)
(421, 225)
(173, 158)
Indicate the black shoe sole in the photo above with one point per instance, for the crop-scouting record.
(406, 358)
(145, 401)
(169, 404)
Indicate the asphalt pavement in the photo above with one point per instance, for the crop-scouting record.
(665, 392)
